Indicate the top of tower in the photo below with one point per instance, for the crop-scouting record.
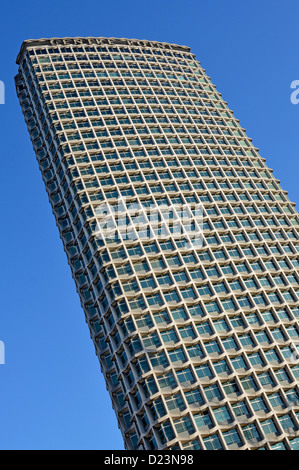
(74, 41)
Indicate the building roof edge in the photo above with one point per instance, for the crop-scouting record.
(97, 40)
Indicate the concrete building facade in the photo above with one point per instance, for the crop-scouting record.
(182, 244)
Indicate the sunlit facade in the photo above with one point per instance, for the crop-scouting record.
(195, 324)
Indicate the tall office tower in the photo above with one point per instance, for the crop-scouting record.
(182, 244)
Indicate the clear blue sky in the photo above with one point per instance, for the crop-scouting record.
(52, 394)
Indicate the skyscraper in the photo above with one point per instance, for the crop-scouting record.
(182, 244)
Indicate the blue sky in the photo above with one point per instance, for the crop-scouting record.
(52, 394)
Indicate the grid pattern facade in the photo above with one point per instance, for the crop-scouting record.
(196, 343)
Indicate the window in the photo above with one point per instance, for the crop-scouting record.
(169, 336)
(171, 296)
(221, 325)
(266, 379)
(239, 363)
(204, 372)
(278, 446)
(287, 423)
(228, 305)
(295, 443)
(251, 432)
(220, 288)
(173, 261)
(226, 270)
(154, 300)
(167, 381)
(137, 304)
(212, 442)
(293, 332)
(204, 329)
(213, 392)
(195, 352)
(230, 343)
(142, 365)
(194, 398)
(184, 425)
(165, 279)
(222, 367)
(236, 285)
(149, 386)
(251, 284)
(241, 409)
(165, 432)
(269, 427)
(203, 420)
(249, 384)
(212, 272)
(157, 263)
(213, 347)
(141, 267)
(205, 290)
(272, 356)
(232, 438)
(269, 317)
(177, 355)
(196, 311)
(151, 341)
(157, 409)
(262, 337)
(185, 375)
(282, 376)
(158, 360)
(246, 341)
(196, 274)
(188, 293)
(238, 322)
(212, 307)
(181, 277)
(175, 403)
(253, 319)
(231, 387)
(148, 283)
(179, 314)
(258, 404)
(187, 333)
(192, 445)
(256, 359)
(242, 268)
(276, 400)
(222, 415)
